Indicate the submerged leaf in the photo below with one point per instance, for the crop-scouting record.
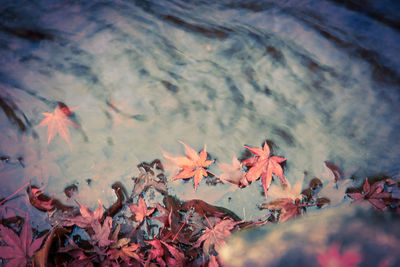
(57, 123)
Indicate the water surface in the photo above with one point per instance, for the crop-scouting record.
(318, 78)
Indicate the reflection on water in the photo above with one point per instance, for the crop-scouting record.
(318, 78)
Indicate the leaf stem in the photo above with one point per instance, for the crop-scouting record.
(16, 192)
(180, 229)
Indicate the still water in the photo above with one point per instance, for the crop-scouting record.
(318, 78)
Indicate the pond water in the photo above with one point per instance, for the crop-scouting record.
(318, 78)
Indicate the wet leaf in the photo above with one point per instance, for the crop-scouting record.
(265, 166)
(19, 249)
(57, 123)
(102, 232)
(87, 217)
(165, 254)
(193, 165)
(373, 194)
(38, 200)
(140, 210)
(322, 201)
(287, 209)
(215, 236)
(233, 173)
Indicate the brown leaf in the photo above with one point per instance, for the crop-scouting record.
(322, 201)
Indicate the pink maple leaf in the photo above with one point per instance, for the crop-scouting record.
(87, 217)
(57, 123)
(265, 166)
(233, 174)
(19, 249)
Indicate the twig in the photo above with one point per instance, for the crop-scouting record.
(180, 229)
(16, 192)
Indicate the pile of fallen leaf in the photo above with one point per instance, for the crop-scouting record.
(148, 227)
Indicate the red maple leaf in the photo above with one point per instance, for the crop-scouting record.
(19, 249)
(286, 207)
(122, 248)
(192, 165)
(141, 211)
(57, 122)
(162, 252)
(233, 174)
(125, 251)
(87, 217)
(263, 165)
(102, 232)
(374, 194)
(214, 237)
(333, 258)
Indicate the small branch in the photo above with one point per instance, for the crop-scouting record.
(16, 192)
(180, 229)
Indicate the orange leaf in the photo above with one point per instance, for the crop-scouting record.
(193, 165)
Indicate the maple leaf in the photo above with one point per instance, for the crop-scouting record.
(290, 192)
(263, 165)
(193, 165)
(287, 209)
(146, 179)
(141, 211)
(214, 237)
(102, 232)
(162, 253)
(233, 174)
(87, 217)
(333, 258)
(57, 122)
(120, 248)
(166, 215)
(20, 248)
(373, 194)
